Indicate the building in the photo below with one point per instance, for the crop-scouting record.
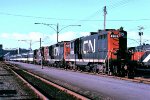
(1, 46)
(8, 52)
(1, 50)
(15, 51)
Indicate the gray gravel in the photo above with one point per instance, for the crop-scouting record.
(12, 88)
(94, 86)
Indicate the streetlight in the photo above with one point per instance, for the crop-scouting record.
(30, 42)
(141, 33)
(57, 30)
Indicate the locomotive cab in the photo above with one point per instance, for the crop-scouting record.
(117, 52)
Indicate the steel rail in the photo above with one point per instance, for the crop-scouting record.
(80, 97)
(39, 94)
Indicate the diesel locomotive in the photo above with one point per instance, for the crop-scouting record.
(98, 52)
(104, 51)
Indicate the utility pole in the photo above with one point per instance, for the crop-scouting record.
(41, 54)
(18, 50)
(57, 31)
(140, 33)
(105, 12)
(40, 42)
(30, 45)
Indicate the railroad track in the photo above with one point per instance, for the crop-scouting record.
(135, 79)
(11, 87)
(44, 88)
(139, 80)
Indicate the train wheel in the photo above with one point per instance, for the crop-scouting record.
(87, 68)
(94, 69)
(130, 72)
(115, 70)
(75, 67)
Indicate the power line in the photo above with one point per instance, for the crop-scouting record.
(113, 4)
(85, 19)
(118, 4)
(19, 15)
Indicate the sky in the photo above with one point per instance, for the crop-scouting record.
(18, 18)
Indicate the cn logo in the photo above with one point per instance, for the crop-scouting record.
(88, 47)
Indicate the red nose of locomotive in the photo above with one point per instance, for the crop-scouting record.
(117, 43)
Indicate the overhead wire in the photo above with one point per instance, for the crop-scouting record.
(118, 4)
(2, 13)
(113, 5)
(20, 15)
(89, 18)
